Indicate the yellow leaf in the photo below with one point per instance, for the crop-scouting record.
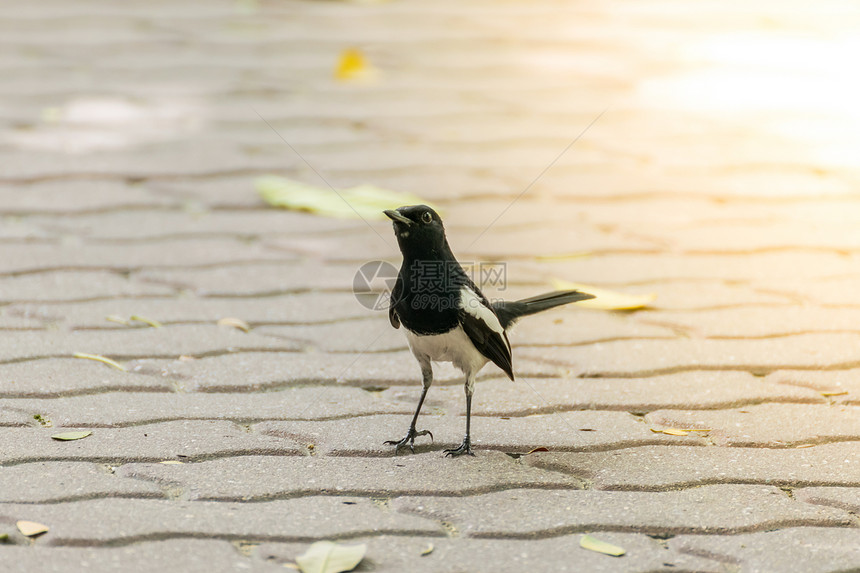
(31, 528)
(834, 393)
(235, 323)
(594, 544)
(676, 432)
(537, 449)
(427, 550)
(69, 436)
(150, 322)
(606, 299)
(117, 319)
(364, 201)
(353, 65)
(328, 557)
(101, 359)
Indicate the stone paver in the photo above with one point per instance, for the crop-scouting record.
(281, 477)
(44, 482)
(180, 554)
(708, 509)
(842, 497)
(119, 409)
(816, 550)
(786, 425)
(578, 431)
(180, 440)
(659, 468)
(131, 136)
(123, 521)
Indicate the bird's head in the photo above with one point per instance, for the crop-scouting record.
(418, 229)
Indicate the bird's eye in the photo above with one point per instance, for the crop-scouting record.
(427, 217)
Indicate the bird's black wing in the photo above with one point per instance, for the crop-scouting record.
(482, 326)
(396, 293)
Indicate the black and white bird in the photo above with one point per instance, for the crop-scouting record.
(444, 314)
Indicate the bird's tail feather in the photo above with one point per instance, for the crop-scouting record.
(510, 311)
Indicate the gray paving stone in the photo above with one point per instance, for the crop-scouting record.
(258, 279)
(189, 555)
(847, 498)
(707, 509)
(141, 225)
(137, 342)
(688, 390)
(841, 386)
(64, 197)
(44, 482)
(751, 323)
(267, 477)
(75, 286)
(120, 409)
(651, 357)
(654, 468)
(289, 309)
(53, 377)
(11, 415)
(155, 442)
(568, 431)
(621, 269)
(388, 553)
(105, 521)
(813, 550)
(839, 291)
(178, 253)
(772, 425)
(696, 294)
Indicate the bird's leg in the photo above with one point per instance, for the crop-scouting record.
(409, 440)
(466, 446)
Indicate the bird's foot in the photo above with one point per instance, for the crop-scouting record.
(409, 440)
(465, 448)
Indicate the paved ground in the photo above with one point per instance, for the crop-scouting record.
(718, 179)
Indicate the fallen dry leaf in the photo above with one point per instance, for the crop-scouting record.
(538, 449)
(31, 528)
(594, 544)
(675, 431)
(605, 299)
(427, 550)
(329, 557)
(235, 323)
(149, 321)
(69, 436)
(353, 65)
(364, 201)
(98, 358)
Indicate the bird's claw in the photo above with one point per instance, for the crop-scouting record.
(409, 440)
(465, 448)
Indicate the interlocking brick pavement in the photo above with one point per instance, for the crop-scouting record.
(130, 139)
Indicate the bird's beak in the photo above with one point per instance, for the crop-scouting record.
(397, 217)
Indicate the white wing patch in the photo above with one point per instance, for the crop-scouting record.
(473, 305)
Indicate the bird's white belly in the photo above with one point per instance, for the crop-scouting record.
(453, 346)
